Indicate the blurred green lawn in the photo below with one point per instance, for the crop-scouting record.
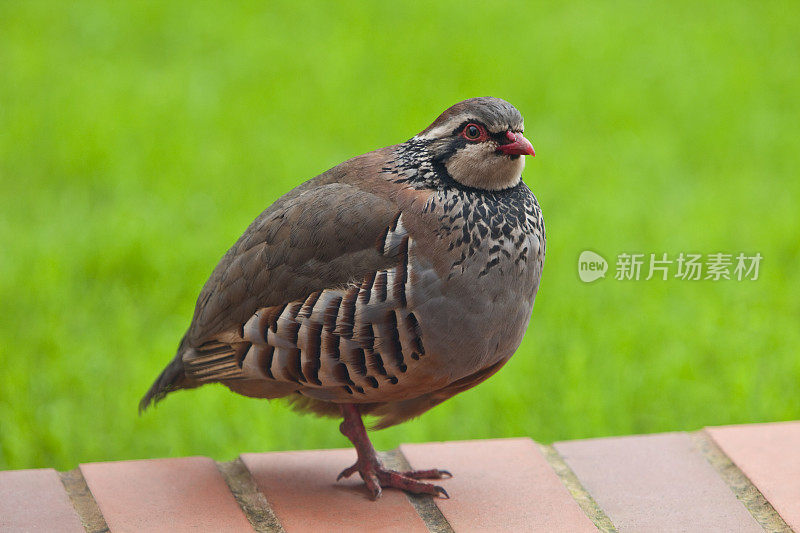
(138, 140)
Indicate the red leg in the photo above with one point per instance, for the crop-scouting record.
(373, 472)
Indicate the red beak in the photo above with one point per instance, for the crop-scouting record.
(519, 145)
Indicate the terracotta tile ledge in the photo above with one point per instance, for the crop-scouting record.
(733, 478)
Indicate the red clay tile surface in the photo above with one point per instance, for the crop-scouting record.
(769, 455)
(499, 485)
(35, 500)
(656, 483)
(642, 483)
(174, 495)
(302, 490)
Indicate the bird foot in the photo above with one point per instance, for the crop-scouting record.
(377, 477)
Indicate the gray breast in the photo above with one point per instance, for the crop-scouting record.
(497, 245)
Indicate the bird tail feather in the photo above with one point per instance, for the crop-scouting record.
(172, 378)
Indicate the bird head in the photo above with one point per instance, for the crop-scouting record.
(480, 143)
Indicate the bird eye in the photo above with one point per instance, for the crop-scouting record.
(472, 131)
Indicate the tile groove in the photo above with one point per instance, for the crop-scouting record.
(747, 493)
(576, 490)
(83, 501)
(253, 503)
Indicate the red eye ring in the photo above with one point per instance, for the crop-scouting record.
(473, 132)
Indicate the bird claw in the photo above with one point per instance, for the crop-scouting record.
(434, 473)
(376, 477)
(347, 472)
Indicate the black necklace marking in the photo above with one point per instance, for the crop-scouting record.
(470, 217)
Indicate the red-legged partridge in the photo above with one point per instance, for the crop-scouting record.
(382, 287)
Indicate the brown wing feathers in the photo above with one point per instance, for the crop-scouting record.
(354, 338)
(311, 300)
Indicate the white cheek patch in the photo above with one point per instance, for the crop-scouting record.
(478, 166)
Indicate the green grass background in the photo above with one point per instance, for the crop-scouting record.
(138, 140)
